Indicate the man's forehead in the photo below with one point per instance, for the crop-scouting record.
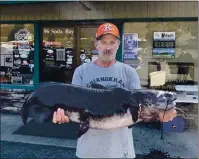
(109, 37)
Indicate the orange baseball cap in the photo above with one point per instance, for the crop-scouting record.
(107, 28)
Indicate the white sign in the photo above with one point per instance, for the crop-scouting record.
(58, 31)
(7, 60)
(164, 36)
(22, 35)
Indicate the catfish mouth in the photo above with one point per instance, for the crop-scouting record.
(152, 107)
(166, 100)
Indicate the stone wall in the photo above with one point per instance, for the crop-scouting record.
(12, 99)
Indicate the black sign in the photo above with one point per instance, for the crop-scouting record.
(163, 44)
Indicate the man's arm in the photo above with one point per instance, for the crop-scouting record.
(77, 76)
(168, 116)
(134, 81)
(59, 116)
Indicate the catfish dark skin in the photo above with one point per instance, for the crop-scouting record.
(97, 107)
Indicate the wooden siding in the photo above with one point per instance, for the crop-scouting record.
(99, 10)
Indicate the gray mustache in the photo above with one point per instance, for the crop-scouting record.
(108, 52)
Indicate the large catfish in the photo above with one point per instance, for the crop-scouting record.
(97, 107)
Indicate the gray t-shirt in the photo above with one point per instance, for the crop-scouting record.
(114, 143)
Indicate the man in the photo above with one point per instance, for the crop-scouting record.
(115, 143)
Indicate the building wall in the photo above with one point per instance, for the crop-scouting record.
(99, 10)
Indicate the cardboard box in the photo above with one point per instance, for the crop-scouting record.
(157, 78)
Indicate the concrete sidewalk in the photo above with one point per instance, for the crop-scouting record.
(183, 145)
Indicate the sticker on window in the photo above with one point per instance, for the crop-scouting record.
(60, 55)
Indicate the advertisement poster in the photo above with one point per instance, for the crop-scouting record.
(164, 45)
(130, 46)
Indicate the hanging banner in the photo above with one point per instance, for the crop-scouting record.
(130, 46)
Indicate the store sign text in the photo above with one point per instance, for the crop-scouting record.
(58, 31)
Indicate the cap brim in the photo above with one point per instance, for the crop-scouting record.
(99, 37)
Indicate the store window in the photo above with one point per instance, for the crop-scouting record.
(88, 51)
(16, 54)
(170, 61)
(57, 55)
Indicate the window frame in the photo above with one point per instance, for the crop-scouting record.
(36, 58)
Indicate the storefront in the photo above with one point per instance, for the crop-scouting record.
(167, 56)
(46, 41)
(49, 51)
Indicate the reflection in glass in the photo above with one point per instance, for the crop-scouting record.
(17, 53)
(88, 51)
(57, 56)
(181, 69)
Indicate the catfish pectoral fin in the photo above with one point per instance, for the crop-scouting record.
(24, 113)
(130, 126)
(83, 128)
(133, 109)
(134, 112)
(84, 122)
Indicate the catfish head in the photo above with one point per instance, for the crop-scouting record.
(152, 102)
(35, 109)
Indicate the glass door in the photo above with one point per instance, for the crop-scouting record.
(87, 50)
(57, 54)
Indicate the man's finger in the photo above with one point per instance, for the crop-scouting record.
(66, 119)
(58, 118)
(169, 116)
(62, 116)
(175, 112)
(54, 117)
(62, 112)
(59, 111)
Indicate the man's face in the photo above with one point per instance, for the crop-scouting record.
(107, 47)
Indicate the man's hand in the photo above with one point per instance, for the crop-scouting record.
(59, 117)
(168, 116)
